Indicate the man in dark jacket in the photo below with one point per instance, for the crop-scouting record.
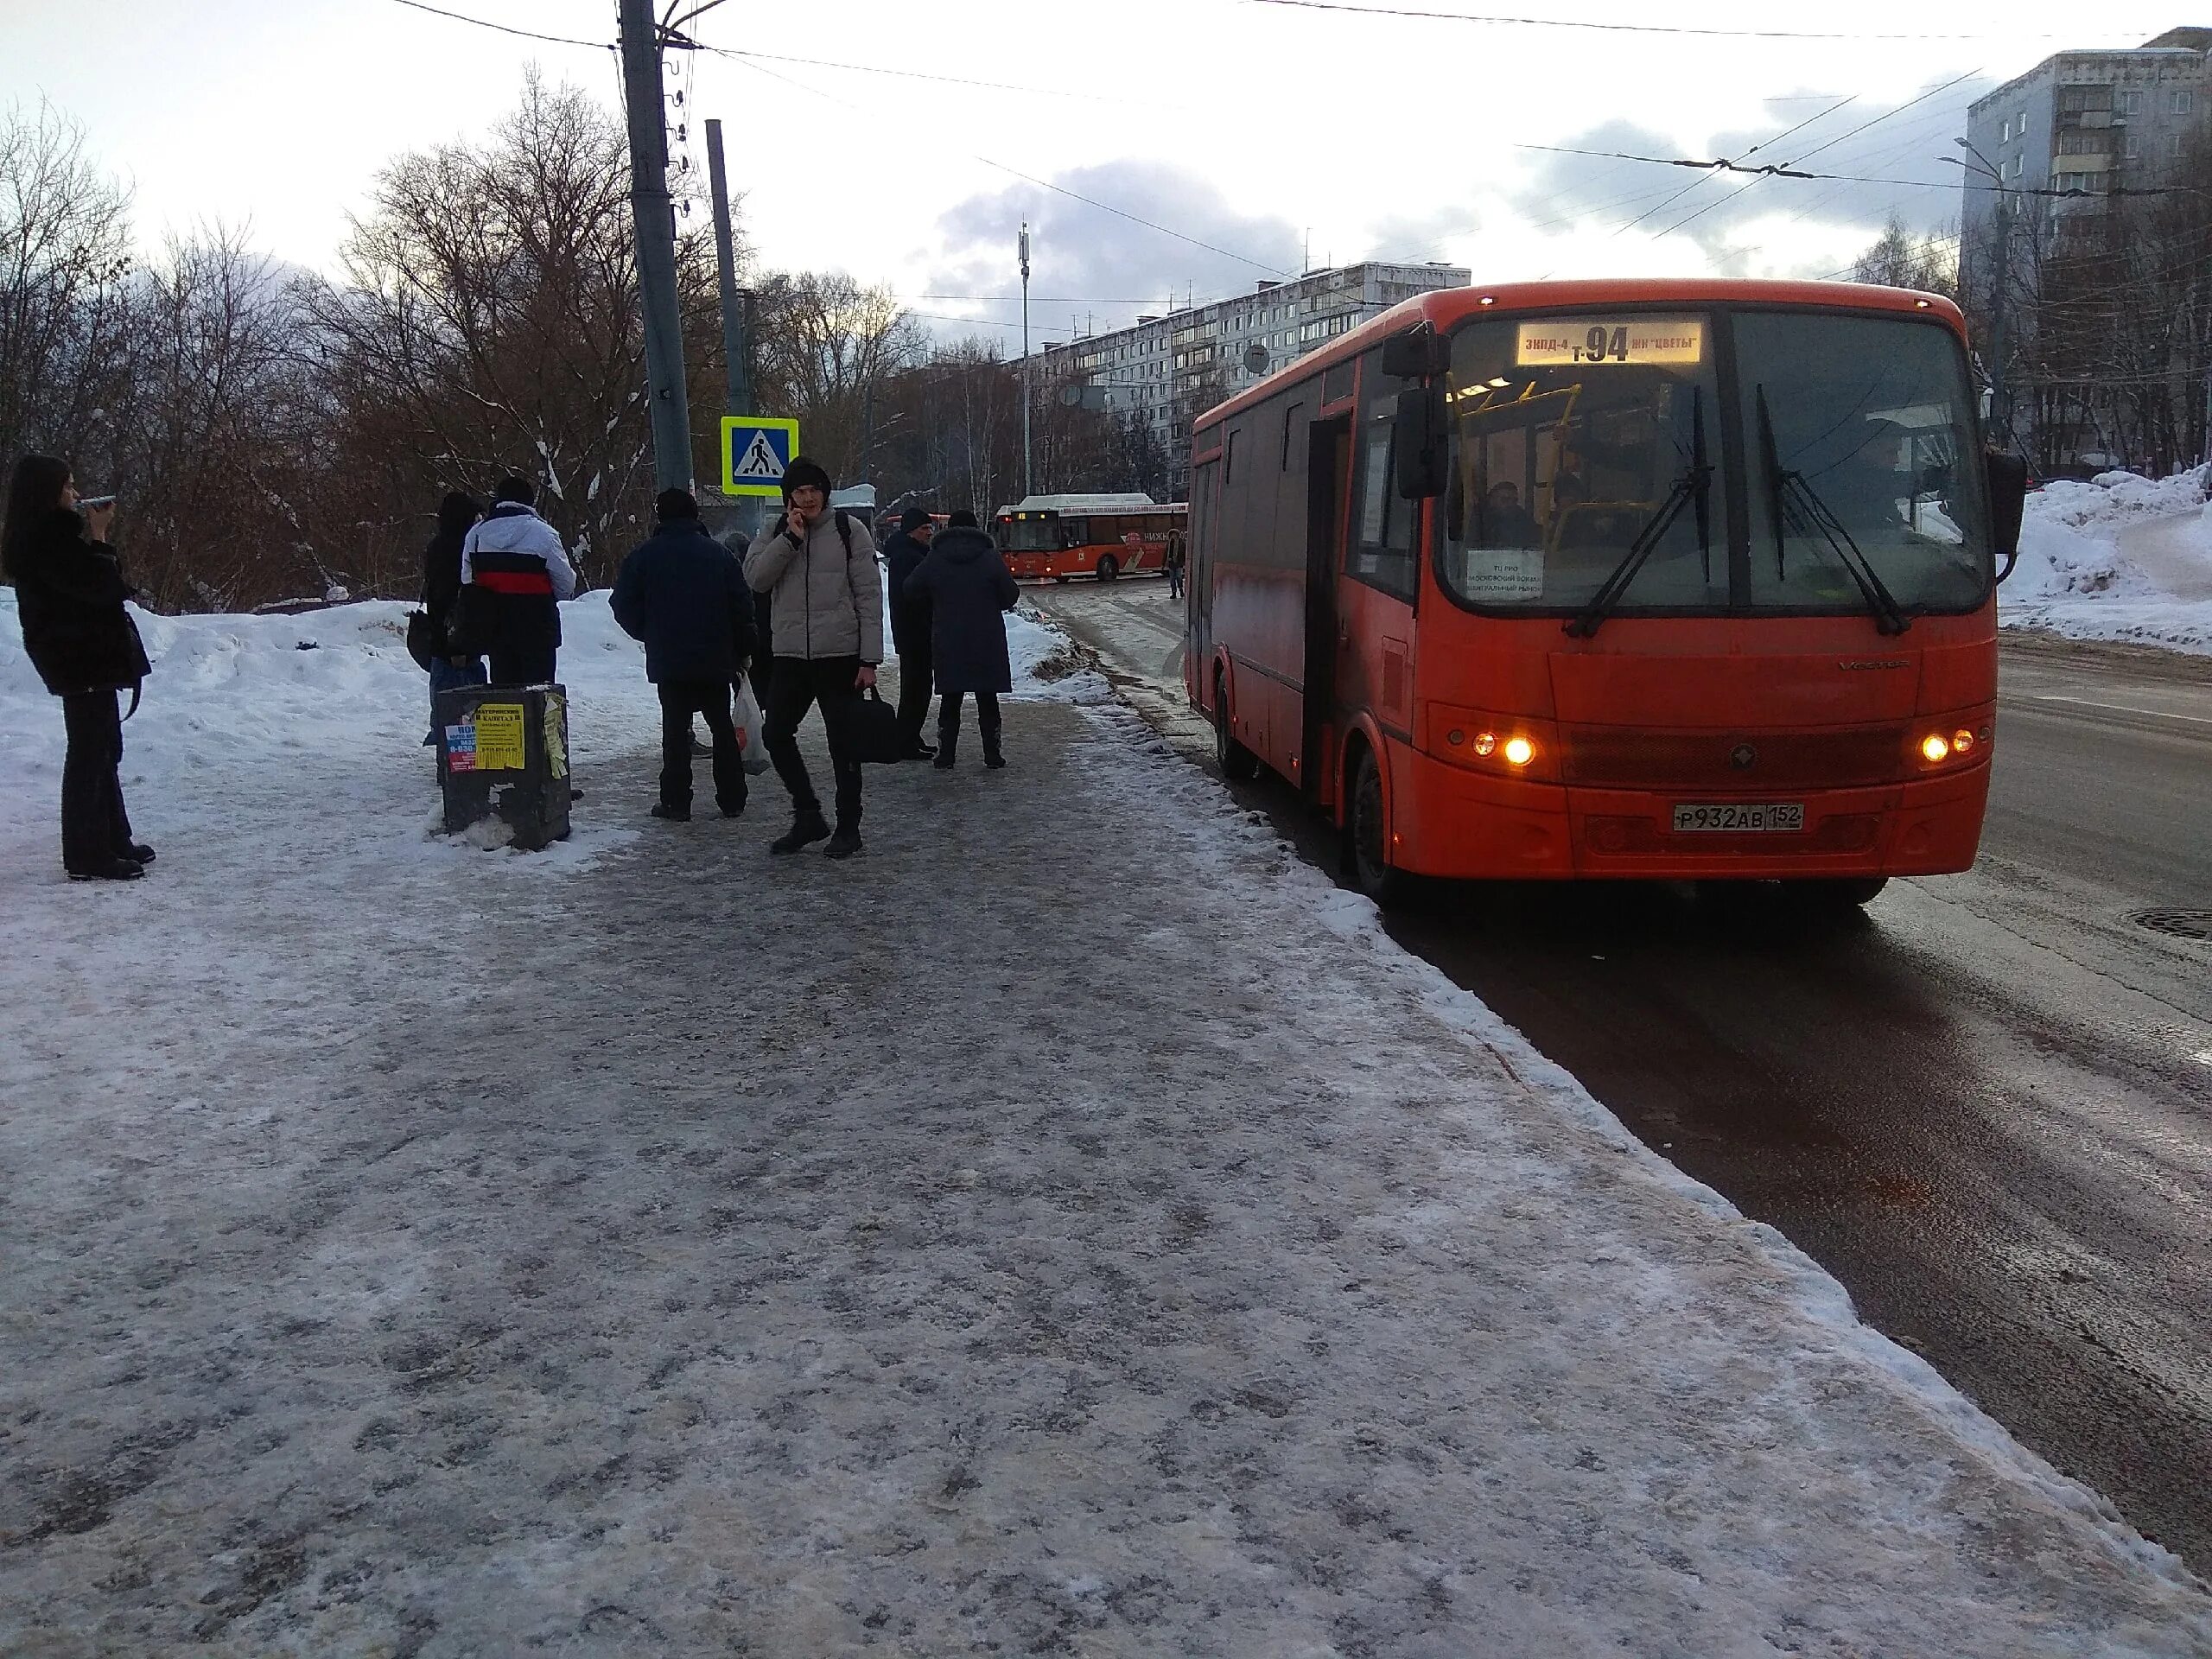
(685, 597)
(514, 573)
(969, 588)
(903, 553)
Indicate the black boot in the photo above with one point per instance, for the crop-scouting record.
(808, 826)
(992, 758)
(946, 742)
(844, 844)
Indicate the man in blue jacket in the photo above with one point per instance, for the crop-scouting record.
(684, 596)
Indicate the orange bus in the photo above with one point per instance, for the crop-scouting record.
(1101, 535)
(1654, 579)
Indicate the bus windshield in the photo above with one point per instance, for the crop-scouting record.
(1031, 532)
(1575, 441)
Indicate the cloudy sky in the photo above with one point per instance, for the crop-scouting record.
(1246, 135)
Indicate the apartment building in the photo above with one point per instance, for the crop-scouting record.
(1160, 367)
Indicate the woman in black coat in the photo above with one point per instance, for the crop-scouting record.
(457, 662)
(968, 589)
(69, 593)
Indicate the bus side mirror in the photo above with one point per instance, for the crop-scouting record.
(1415, 355)
(1420, 446)
(2008, 505)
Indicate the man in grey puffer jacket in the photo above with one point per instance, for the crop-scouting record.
(825, 602)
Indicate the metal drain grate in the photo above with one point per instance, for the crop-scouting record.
(2178, 924)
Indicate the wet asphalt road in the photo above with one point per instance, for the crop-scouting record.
(1985, 1105)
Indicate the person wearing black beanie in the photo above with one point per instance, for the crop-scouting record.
(910, 625)
(818, 566)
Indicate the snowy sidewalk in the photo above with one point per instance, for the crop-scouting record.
(1071, 1227)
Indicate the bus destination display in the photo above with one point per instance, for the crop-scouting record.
(1638, 340)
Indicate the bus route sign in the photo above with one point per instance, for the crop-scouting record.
(1553, 343)
(756, 449)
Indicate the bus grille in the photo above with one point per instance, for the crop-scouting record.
(1609, 757)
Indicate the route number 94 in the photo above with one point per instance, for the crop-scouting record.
(1602, 342)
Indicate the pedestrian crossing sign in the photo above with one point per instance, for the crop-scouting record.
(755, 450)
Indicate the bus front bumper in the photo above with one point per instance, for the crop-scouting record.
(1454, 822)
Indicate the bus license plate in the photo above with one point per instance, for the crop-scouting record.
(1740, 817)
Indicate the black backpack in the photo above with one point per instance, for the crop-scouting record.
(844, 527)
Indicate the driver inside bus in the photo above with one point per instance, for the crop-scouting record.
(1506, 523)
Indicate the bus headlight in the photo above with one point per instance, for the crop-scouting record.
(1935, 749)
(1519, 751)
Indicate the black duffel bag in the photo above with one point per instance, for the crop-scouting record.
(872, 730)
(423, 642)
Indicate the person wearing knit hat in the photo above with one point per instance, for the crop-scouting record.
(825, 599)
(903, 554)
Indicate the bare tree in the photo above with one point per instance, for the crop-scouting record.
(1929, 264)
(488, 322)
(64, 272)
(826, 350)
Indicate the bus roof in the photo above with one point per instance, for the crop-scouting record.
(1444, 308)
(1080, 503)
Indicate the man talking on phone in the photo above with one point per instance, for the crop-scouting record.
(825, 599)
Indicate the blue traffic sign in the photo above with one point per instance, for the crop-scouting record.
(756, 449)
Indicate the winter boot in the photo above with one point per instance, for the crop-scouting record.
(807, 827)
(946, 742)
(676, 814)
(844, 844)
(992, 757)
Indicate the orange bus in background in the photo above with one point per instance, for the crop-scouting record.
(1101, 535)
(1653, 578)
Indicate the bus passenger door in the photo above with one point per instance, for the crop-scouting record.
(1198, 585)
(1328, 473)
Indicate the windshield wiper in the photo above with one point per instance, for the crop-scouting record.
(1795, 506)
(1694, 487)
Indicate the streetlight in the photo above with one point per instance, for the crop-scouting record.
(2001, 406)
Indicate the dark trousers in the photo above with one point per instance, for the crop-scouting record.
(95, 827)
(534, 666)
(987, 717)
(679, 701)
(796, 684)
(915, 669)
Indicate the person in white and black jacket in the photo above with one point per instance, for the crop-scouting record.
(514, 573)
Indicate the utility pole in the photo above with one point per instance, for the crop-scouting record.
(737, 360)
(2000, 398)
(1029, 488)
(735, 346)
(655, 218)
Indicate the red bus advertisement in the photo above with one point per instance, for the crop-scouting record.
(1101, 535)
(1652, 579)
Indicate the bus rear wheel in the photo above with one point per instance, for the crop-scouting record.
(1238, 764)
(1366, 859)
(1109, 567)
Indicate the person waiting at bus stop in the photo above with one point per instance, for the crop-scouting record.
(968, 590)
(903, 553)
(514, 574)
(685, 598)
(825, 593)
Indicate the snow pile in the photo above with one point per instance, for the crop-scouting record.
(1047, 664)
(2120, 557)
(257, 698)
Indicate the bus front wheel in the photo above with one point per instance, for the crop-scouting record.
(1109, 567)
(1237, 763)
(1367, 860)
(1841, 893)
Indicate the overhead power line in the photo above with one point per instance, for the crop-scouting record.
(1777, 170)
(1645, 28)
(742, 55)
(483, 23)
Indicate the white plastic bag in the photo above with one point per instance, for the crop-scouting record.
(748, 731)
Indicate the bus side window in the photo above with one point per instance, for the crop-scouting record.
(1382, 537)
